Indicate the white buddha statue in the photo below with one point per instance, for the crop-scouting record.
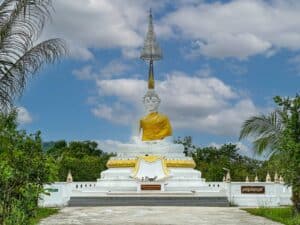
(154, 126)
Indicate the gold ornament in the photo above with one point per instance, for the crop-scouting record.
(150, 159)
(121, 163)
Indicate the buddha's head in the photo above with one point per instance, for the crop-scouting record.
(151, 101)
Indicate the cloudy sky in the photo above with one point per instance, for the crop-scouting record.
(223, 62)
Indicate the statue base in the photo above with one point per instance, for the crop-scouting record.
(120, 179)
(127, 172)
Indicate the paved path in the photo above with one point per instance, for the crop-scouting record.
(131, 215)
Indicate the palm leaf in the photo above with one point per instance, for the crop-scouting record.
(265, 129)
(14, 78)
(21, 23)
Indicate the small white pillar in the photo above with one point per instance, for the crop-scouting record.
(247, 179)
(69, 177)
(228, 177)
(268, 178)
(276, 180)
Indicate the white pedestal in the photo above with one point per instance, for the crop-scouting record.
(178, 180)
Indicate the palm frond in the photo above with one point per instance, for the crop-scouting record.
(265, 129)
(21, 23)
(15, 76)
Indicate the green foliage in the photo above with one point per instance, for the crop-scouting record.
(265, 129)
(82, 158)
(21, 23)
(211, 161)
(282, 215)
(24, 169)
(187, 142)
(279, 133)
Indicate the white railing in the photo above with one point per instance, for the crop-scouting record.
(80, 186)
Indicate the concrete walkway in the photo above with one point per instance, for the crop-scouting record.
(154, 216)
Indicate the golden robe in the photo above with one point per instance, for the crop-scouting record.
(155, 126)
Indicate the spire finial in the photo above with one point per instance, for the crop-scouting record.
(151, 51)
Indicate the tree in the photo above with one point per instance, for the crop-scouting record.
(278, 133)
(21, 23)
(24, 170)
(83, 158)
(211, 161)
(187, 142)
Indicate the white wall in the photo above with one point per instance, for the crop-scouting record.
(58, 195)
(276, 194)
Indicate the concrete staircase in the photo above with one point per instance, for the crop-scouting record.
(218, 201)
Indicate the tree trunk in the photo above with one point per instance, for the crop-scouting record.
(296, 200)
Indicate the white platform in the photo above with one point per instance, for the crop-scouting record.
(179, 179)
(162, 148)
(181, 182)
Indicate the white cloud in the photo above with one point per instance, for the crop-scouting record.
(114, 68)
(24, 116)
(229, 45)
(128, 90)
(117, 113)
(239, 28)
(205, 104)
(108, 145)
(88, 24)
(85, 73)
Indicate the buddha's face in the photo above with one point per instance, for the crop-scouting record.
(151, 103)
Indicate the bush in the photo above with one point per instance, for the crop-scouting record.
(24, 169)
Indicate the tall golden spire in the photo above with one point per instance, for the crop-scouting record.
(151, 51)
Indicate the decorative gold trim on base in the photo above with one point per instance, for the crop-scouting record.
(121, 163)
(181, 163)
(151, 159)
(113, 163)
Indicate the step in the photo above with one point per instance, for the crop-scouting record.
(148, 201)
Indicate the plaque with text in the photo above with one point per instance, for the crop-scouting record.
(252, 189)
(150, 187)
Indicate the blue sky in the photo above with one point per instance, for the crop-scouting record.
(223, 62)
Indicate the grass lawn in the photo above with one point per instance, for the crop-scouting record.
(283, 215)
(43, 213)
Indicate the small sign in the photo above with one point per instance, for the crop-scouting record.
(150, 187)
(52, 190)
(252, 189)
